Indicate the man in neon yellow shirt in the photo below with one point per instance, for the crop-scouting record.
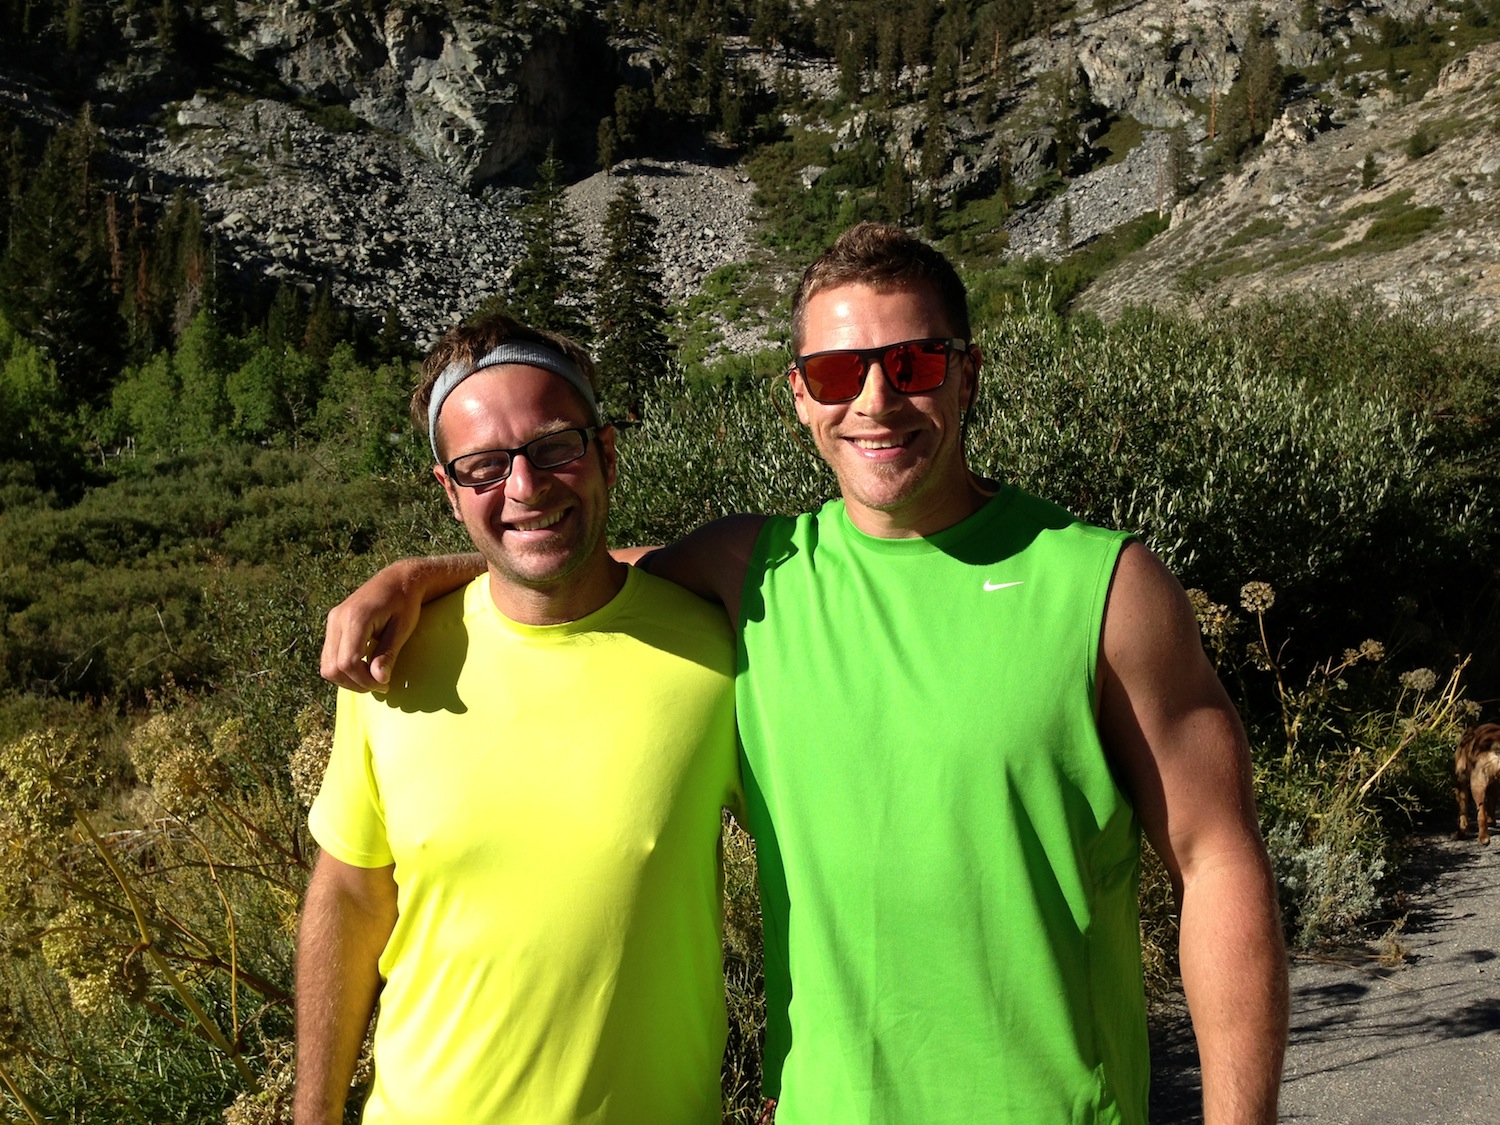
(959, 709)
(520, 831)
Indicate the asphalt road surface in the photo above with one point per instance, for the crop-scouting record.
(1405, 1031)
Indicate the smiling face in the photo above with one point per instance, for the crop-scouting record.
(541, 531)
(898, 458)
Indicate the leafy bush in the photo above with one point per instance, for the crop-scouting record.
(704, 450)
(1401, 229)
(1420, 143)
(1342, 480)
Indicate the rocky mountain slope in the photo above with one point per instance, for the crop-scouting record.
(411, 209)
(1300, 216)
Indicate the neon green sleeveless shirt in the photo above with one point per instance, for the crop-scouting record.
(948, 868)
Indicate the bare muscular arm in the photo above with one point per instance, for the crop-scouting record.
(711, 561)
(1181, 750)
(346, 920)
(365, 632)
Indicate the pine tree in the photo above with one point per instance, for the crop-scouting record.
(390, 345)
(1179, 169)
(12, 179)
(1241, 119)
(630, 310)
(888, 51)
(544, 289)
(916, 38)
(54, 277)
(286, 319)
(769, 23)
(934, 139)
(1067, 98)
(609, 143)
(326, 325)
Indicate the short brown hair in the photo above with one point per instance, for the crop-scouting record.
(884, 257)
(467, 342)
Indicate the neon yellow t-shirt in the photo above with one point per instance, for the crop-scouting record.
(550, 797)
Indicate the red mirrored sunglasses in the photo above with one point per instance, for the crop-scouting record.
(911, 367)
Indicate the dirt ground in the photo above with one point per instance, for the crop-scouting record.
(1404, 1030)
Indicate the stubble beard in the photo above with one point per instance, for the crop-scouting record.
(544, 569)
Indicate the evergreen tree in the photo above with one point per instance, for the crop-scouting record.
(1255, 97)
(769, 24)
(390, 345)
(286, 320)
(916, 37)
(1068, 97)
(73, 26)
(1179, 169)
(732, 108)
(888, 51)
(632, 107)
(630, 311)
(853, 54)
(545, 286)
(1006, 189)
(12, 177)
(609, 143)
(934, 138)
(54, 277)
(326, 326)
(951, 41)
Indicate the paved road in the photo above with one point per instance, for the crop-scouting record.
(1416, 1042)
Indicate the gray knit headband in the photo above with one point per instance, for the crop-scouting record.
(512, 351)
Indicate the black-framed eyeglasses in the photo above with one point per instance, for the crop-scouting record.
(491, 466)
(911, 367)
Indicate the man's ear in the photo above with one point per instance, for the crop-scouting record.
(971, 372)
(799, 394)
(450, 490)
(606, 439)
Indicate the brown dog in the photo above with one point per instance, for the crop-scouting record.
(1477, 768)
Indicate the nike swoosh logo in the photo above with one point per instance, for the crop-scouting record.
(988, 585)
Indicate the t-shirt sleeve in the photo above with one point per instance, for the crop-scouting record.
(347, 818)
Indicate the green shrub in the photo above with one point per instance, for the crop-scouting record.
(1256, 228)
(1337, 484)
(1398, 230)
(1420, 143)
(707, 450)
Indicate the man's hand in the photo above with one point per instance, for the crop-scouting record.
(366, 630)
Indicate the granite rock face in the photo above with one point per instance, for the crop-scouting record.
(416, 209)
(477, 99)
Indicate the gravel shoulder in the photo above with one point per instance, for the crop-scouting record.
(1406, 1029)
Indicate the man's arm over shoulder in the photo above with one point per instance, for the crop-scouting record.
(366, 630)
(711, 562)
(1179, 746)
(347, 919)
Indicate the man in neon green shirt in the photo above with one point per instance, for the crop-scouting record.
(520, 831)
(958, 707)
